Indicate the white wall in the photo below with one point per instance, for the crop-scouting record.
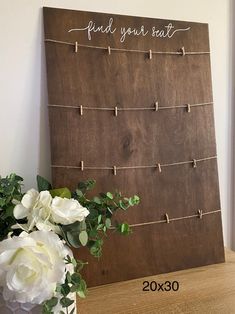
(24, 143)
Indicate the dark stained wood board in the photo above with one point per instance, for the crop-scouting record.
(92, 77)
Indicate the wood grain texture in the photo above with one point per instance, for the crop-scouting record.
(94, 78)
(207, 290)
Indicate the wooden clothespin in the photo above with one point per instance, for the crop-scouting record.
(156, 106)
(194, 163)
(115, 170)
(167, 218)
(200, 214)
(109, 50)
(81, 110)
(188, 108)
(82, 165)
(159, 167)
(116, 111)
(76, 47)
(183, 51)
(150, 54)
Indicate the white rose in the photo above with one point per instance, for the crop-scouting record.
(28, 202)
(37, 208)
(31, 266)
(66, 211)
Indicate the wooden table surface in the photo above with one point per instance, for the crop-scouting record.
(209, 289)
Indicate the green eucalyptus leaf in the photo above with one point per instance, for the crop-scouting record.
(134, 200)
(99, 219)
(65, 289)
(83, 237)
(63, 192)
(43, 184)
(109, 195)
(79, 193)
(83, 225)
(52, 302)
(99, 227)
(97, 200)
(92, 233)
(86, 186)
(83, 285)
(76, 278)
(93, 214)
(68, 277)
(73, 239)
(108, 222)
(66, 302)
(124, 228)
(122, 205)
(46, 310)
(81, 294)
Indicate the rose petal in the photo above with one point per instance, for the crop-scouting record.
(20, 211)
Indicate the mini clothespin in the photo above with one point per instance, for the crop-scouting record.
(81, 110)
(188, 107)
(200, 213)
(194, 163)
(150, 54)
(82, 165)
(167, 218)
(76, 47)
(116, 111)
(183, 51)
(115, 170)
(109, 50)
(159, 167)
(156, 106)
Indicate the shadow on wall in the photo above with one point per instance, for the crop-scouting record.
(44, 159)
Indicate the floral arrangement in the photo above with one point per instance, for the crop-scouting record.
(37, 230)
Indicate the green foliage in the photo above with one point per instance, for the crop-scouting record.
(10, 190)
(86, 186)
(63, 192)
(124, 228)
(49, 305)
(83, 237)
(98, 222)
(66, 302)
(74, 283)
(43, 184)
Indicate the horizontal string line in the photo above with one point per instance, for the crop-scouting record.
(114, 168)
(200, 214)
(110, 49)
(115, 109)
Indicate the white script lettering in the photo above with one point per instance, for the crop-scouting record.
(129, 31)
(169, 31)
(91, 27)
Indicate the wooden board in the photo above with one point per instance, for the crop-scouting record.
(93, 78)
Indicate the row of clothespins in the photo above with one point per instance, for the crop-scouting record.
(150, 51)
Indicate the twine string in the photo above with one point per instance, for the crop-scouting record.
(116, 168)
(150, 52)
(168, 220)
(156, 107)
